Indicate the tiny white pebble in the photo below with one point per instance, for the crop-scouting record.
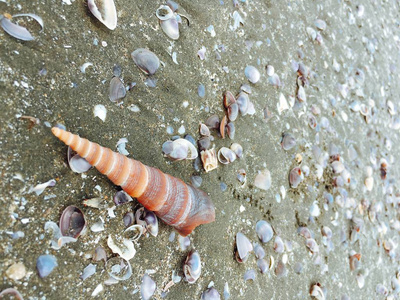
(242, 208)
(100, 111)
(185, 104)
(104, 43)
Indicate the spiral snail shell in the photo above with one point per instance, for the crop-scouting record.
(177, 204)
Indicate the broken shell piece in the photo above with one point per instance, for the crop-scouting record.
(226, 156)
(222, 126)
(118, 268)
(147, 288)
(317, 293)
(249, 275)
(134, 232)
(18, 31)
(45, 264)
(263, 180)
(283, 104)
(100, 111)
(72, 222)
(192, 266)
(164, 12)
(117, 89)
(77, 163)
(209, 159)
(211, 293)
(126, 249)
(11, 292)
(243, 247)
(104, 11)
(295, 177)
(146, 60)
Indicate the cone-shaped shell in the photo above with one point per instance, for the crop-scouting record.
(178, 204)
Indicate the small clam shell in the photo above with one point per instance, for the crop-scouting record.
(147, 288)
(263, 180)
(320, 24)
(204, 143)
(72, 222)
(99, 254)
(117, 89)
(170, 28)
(104, 11)
(164, 12)
(121, 197)
(295, 177)
(243, 102)
(337, 167)
(15, 30)
(180, 149)
(213, 122)
(355, 261)
(204, 130)
(263, 265)
(129, 219)
(230, 130)
(288, 141)
(326, 231)
(192, 266)
(243, 247)
(259, 251)
(226, 156)
(249, 275)
(312, 122)
(312, 245)
(146, 60)
(45, 264)
(77, 163)
(305, 232)
(301, 94)
(233, 111)
(279, 245)
(229, 99)
(280, 269)
(209, 159)
(148, 219)
(270, 70)
(238, 149)
(264, 231)
(252, 74)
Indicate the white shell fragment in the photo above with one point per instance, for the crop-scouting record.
(148, 287)
(283, 104)
(146, 60)
(18, 31)
(126, 250)
(263, 180)
(164, 12)
(41, 187)
(100, 111)
(170, 28)
(104, 11)
(243, 246)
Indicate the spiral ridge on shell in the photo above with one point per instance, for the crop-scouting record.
(176, 203)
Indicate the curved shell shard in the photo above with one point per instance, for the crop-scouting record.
(104, 11)
(178, 204)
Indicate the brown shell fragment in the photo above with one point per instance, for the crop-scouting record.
(209, 159)
(222, 126)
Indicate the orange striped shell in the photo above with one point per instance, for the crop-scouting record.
(178, 204)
